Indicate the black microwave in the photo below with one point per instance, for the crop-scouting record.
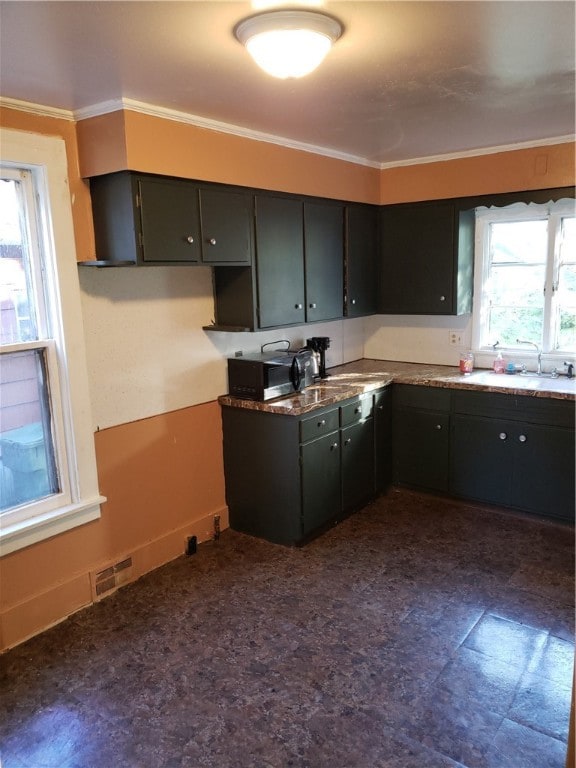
(269, 375)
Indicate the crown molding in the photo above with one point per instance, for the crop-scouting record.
(215, 125)
(115, 105)
(479, 152)
(37, 109)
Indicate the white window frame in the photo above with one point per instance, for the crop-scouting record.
(553, 212)
(79, 500)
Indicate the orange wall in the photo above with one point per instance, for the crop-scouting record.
(155, 145)
(535, 168)
(164, 481)
(79, 190)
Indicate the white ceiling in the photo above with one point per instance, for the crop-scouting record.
(406, 80)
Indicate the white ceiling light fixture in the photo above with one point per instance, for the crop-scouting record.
(288, 43)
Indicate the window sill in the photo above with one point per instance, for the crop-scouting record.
(26, 532)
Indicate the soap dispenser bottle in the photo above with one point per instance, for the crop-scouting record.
(499, 366)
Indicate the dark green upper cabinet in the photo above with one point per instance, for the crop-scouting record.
(170, 221)
(361, 252)
(323, 258)
(426, 259)
(149, 220)
(227, 223)
(279, 261)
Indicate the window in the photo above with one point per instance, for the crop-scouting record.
(48, 478)
(525, 278)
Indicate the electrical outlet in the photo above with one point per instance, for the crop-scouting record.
(238, 353)
(455, 338)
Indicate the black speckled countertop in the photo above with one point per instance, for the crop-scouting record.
(361, 376)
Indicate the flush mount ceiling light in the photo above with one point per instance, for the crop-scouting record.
(288, 43)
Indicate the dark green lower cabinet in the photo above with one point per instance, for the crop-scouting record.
(515, 464)
(357, 464)
(421, 448)
(383, 439)
(320, 461)
(288, 477)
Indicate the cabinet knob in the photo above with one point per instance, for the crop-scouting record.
(502, 435)
(312, 306)
(353, 301)
(212, 241)
(358, 409)
(333, 446)
(297, 306)
(348, 441)
(438, 426)
(322, 423)
(442, 298)
(522, 438)
(190, 239)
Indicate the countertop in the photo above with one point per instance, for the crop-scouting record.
(361, 376)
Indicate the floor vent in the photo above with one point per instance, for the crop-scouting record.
(109, 579)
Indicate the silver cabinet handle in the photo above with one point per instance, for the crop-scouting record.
(212, 241)
(190, 239)
(522, 438)
(502, 435)
(297, 306)
(348, 441)
(333, 446)
(353, 301)
(438, 426)
(312, 306)
(358, 409)
(322, 423)
(442, 298)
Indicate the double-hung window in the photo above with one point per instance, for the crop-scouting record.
(525, 279)
(48, 480)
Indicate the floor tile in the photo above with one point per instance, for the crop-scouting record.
(517, 746)
(473, 676)
(555, 661)
(508, 641)
(543, 705)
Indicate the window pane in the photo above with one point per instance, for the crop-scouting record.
(506, 324)
(17, 316)
(27, 467)
(517, 285)
(519, 242)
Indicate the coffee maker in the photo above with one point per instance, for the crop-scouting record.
(319, 345)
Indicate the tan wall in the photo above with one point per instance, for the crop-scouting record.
(535, 168)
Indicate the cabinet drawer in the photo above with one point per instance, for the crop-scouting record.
(535, 410)
(357, 410)
(318, 425)
(430, 398)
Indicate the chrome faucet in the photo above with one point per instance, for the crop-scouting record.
(537, 348)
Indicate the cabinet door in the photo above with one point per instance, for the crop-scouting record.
(383, 439)
(421, 448)
(226, 226)
(320, 463)
(280, 261)
(543, 479)
(170, 221)
(324, 260)
(361, 260)
(417, 259)
(357, 464)
(482, 458)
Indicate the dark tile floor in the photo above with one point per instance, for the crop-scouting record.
(420, 633)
